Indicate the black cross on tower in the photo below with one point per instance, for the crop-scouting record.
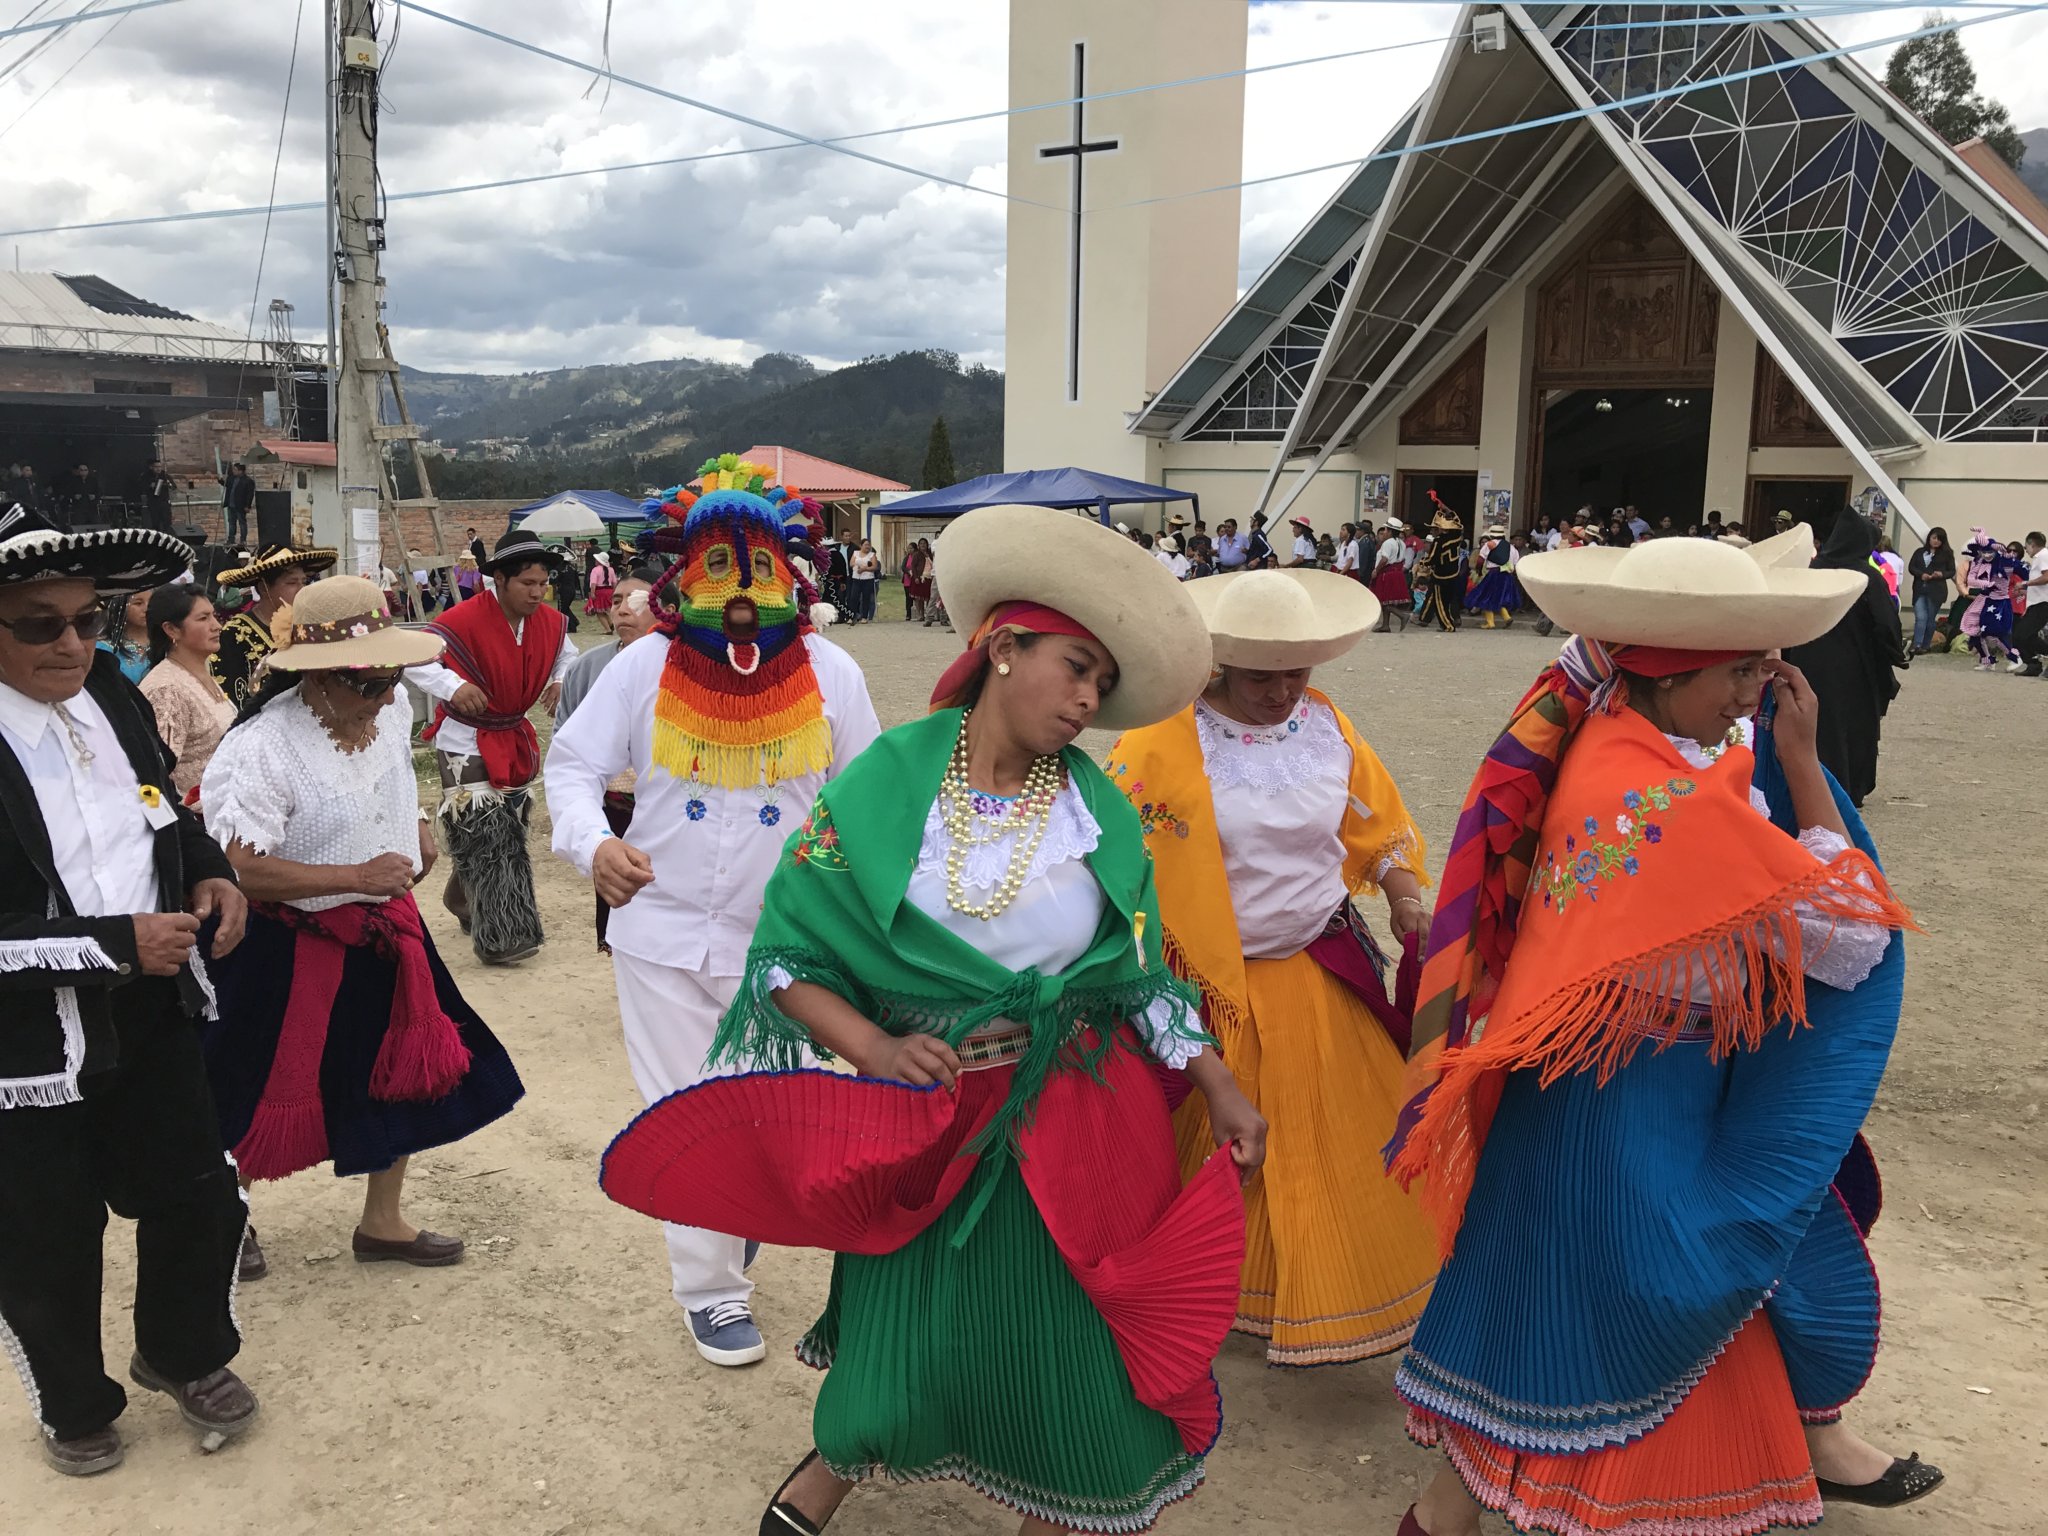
(1078, 150)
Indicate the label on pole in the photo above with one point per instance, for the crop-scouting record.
(362, 527)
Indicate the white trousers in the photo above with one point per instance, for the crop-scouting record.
(670, 1015)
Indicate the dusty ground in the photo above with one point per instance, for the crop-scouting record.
(545, 1387)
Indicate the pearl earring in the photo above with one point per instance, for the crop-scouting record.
(1002, 669)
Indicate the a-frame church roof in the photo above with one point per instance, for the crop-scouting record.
(1903, 296)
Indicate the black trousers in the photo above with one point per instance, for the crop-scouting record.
(144, 1141)
(2026, 636)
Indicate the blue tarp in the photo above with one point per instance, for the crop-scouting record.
(609, 506)
(1067, 487)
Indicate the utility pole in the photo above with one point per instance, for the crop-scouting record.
(365, 361)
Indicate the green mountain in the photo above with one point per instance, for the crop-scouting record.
(632, 426)
(2034, 169)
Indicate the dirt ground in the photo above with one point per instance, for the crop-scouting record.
(546, 1387)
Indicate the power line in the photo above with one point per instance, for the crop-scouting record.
(58, 23)
(43, 95)
(1998, 13)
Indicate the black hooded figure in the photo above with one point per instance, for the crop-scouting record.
(1852, 666)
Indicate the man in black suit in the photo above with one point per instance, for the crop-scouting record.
(107, 884)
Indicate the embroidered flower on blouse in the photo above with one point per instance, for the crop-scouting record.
(695, 809)
(770, 814)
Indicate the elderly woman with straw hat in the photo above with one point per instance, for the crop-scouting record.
(342, 1037)
(1026, 1297)
(1662, 985)
(1266, 814)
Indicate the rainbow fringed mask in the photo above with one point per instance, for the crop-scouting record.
(739, 703)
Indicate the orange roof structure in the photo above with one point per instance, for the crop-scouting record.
(2005, 181)
(819, 477)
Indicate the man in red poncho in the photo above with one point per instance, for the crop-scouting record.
(506, 652)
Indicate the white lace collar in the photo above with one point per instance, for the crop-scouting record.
(1305, 748)
(1070, 833)
(1699, 757)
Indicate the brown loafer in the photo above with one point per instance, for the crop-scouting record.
(99, 1451)
(218, 1402)
(429, 1250)
(252, 1265)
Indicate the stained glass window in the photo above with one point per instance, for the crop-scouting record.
(1259, 403)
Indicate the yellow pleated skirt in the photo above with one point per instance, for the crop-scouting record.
(1338, 1259)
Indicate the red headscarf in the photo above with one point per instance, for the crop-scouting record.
(1020, 617)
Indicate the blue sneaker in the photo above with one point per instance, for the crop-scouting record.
(724, 1334)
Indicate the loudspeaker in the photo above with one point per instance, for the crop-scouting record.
(273, 518)
(196, 537)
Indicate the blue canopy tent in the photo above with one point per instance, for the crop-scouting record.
(1067, 487)
(606, 506)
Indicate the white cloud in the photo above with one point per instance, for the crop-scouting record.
(799, 249)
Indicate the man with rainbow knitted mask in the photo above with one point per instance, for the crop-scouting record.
(731, 716)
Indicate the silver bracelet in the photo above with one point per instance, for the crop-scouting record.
(1413, 901)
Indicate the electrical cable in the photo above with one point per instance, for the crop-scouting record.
(58, 23)
(43, 95)
(284, 118)
(1998, 13)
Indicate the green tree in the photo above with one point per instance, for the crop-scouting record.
(1932, 75)
(938, 458)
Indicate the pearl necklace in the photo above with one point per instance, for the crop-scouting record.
(968, 826)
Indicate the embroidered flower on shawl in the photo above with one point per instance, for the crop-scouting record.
(817, 840)
(1585, 869)
(1155, 816)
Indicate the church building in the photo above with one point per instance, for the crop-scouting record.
(1663, 255)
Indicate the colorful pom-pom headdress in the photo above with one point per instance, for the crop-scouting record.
(739, 703)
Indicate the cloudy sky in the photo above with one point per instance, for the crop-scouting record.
(177, 108)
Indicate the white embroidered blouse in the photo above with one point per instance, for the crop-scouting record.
(1280, 794)
(281, 785)
(1054, 917)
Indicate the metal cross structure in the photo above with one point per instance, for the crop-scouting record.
(1076, 150)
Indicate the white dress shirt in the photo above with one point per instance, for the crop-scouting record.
(100, 839)
(709, 871)
(443, 683)
(1304, 549)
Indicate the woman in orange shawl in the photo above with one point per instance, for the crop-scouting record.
(1661, 990)
(1265, 814)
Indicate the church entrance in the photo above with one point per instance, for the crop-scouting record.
(1460, 492)
(1813, 499)
(1609, 448)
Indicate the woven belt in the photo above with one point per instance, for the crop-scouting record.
(993, 1050)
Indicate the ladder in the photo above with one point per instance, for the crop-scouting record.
(403, 430)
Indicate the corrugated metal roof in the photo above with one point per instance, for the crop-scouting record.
(44, 312)
(814, 476)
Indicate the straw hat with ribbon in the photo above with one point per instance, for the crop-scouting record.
(276, 559)
(1139, 612)
(1277, 621)
(344, 621)
(1690, 594)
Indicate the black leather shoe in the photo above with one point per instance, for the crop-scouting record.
(781, 1519)
(99, 1451)
(1902, 1483)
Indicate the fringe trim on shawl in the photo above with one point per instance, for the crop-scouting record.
(1752, 963)
(80, 954)
(756, 1033)
(40, 1092)
(1221, 1009)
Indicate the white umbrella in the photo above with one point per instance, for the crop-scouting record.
(564, 520)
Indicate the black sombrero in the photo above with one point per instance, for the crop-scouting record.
(275, 559)
(522, 549)
(112, 559)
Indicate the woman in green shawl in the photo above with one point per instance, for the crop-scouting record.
(1025, 1297)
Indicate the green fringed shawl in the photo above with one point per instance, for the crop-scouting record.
(836, 913)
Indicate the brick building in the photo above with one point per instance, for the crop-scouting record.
(92, 374)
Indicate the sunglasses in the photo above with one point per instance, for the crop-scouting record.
(48, 628)
(365, 684)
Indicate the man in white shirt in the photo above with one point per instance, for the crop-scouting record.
(106, 882)
(1168, 553)
(729, 724)
(1304, 542)
(507, 651)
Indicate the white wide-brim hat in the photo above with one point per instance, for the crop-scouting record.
(1276, 621)
(1688, 594)
(1069, 562)
(344, 621)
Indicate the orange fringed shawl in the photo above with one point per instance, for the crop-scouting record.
(1160, 770)
(1646, 875)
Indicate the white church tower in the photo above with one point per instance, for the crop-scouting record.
(1118, 273)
